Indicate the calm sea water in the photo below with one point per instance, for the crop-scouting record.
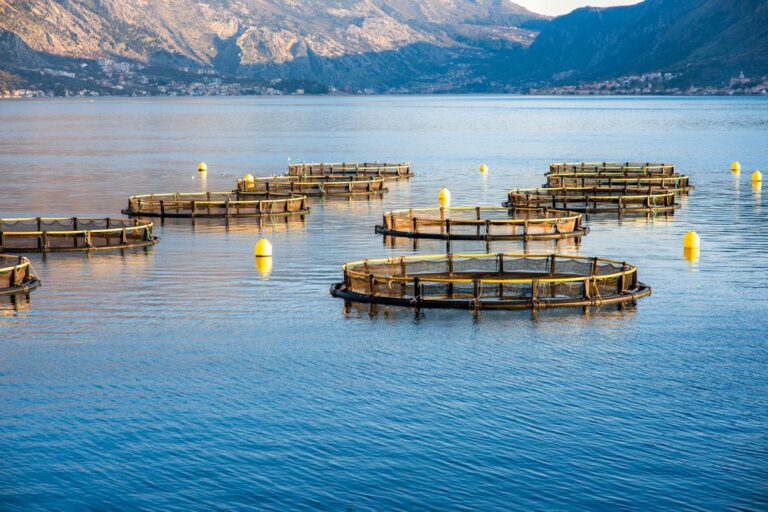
(180, 378)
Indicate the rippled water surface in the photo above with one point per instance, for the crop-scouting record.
(180, 378)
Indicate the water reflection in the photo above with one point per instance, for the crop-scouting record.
(629, 218)
(263, 266)
(131, 262)
(354, 204)
(555, 318)
(692, 254)
(267, 223)
(11, 305)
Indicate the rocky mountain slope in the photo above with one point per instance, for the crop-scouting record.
(708, 39)
(353, 40)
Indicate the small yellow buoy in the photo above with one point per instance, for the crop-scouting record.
(263, 266)
(735, 167)
(483, 168)
(248, 177)
(757, 177)
(202, 167)
(444, 197)
(263, 249)
(691, 240)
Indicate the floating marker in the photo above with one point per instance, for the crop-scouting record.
(263, 249)
(444, 197)
(248, 177)
(483, 168)
(736, 167)
(202, 167)
(691, 240)
(757, 177)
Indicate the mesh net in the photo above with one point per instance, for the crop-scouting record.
(482, 223)
(493, 278)
(625, 168)
(14, 272)
(72, 233)
(312, 185)
(386, 170)
(214, 204)
(675, 182)
(595, 199)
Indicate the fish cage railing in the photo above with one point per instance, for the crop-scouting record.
(214, 204)
(675, 182)
(16, 275)
(381, 169)
(55, 234)
(324, 185)
(490, 281)
(626, 168)
(482, 223)
(595, 199)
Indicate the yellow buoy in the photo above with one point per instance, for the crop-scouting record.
(444, 197)
(263, 249)
(248, 177)
(202, 167)
(735, 167)
(691, 240)
(757, 177)
(264, 266)
(483, 168)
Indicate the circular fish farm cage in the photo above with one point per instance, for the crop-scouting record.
(600, 199)
(325, 185)
(62, 234)
(483, 223)
(490, 281)
(626, 169)
(678, 183)
(213, 204)
(380, 169)
(16, 275)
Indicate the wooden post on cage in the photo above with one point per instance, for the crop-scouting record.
(534, 293)
(417, 290)
(623, 279)
(476, 293)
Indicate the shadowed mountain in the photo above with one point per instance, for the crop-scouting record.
(712, 39)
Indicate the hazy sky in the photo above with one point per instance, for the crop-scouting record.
(555, 7)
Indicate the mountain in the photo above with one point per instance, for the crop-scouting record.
(353, 42)
(373, 45)
(706, 39)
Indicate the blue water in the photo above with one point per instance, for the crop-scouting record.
(180, 378)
